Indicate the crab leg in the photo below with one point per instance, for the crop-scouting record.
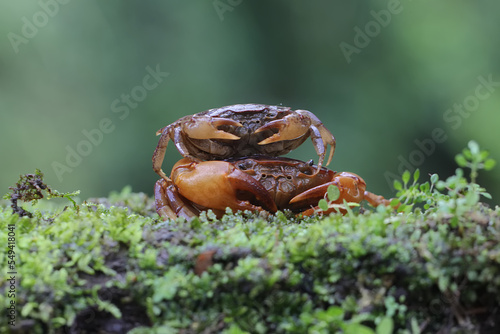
(218, 184)
(321, 137)
(319, 146)
(159, 153)
(376, 200)
(169, 204)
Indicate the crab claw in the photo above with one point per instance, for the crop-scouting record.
(218, 184)
(302, 123)
(351, 187)
(205, 127)
(290, 127)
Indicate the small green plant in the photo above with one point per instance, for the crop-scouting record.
(333, 193)
(475, 159)
(454, 193)
(31, 188)
(461, 193)
(331, 196)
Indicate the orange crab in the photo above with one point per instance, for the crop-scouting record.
(243, 130)
(257, 183)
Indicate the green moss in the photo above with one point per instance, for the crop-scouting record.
(112, 265)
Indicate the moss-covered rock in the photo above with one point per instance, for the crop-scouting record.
(111, 266)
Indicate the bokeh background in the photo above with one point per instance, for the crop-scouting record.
(379, 82)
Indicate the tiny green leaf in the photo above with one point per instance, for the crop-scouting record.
(415, 328)
(386, 326)
(425, 187)
(408, 208)
(474, 147)
(355, 328)
(467, 154)
(484, 154)
(406, 176)
(461, 161)
(434, 178)
(195, 223)
(489, 164)
(401, 208)
(395, 202)
(416, 175)
(398, 185)
(333, 193)
(211, 215)
(485, 194)
(323, 204)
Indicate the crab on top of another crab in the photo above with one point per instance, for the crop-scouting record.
(243, 130)
(241, 144)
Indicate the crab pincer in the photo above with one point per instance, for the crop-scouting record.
(352, 189)
(302, 123)
(209, 185)
(196, 128)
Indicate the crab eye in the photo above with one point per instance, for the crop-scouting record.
(310, 162)
(272, 114)
(245, 165)
(307, 172)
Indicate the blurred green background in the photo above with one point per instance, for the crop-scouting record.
(381, 75)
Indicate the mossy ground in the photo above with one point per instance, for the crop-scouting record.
(115, 267)
(111, 266)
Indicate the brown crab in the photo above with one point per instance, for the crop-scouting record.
(243, 130)
(255, 183)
